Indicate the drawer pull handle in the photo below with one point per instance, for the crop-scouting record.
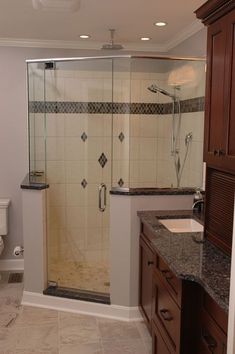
(221, 152)
(166, 315)
(216, 152)
(210, 341)
(150, 263)
(167, 274)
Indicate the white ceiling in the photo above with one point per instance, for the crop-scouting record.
(132, 19)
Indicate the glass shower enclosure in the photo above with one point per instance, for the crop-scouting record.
(97, 124)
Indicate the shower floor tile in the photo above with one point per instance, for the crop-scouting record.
(80, 275)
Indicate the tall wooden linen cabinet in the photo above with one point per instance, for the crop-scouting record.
(219, 139)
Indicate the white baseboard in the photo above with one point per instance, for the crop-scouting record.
(121, 313)
(11, 264)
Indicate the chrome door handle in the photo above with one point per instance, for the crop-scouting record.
(102, 187)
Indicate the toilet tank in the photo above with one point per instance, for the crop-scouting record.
(4, 204)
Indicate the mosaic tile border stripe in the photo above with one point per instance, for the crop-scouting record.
(190, 105)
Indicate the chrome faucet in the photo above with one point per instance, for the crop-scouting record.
(200, 204)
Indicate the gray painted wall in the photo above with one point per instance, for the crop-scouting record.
(13, 130)
(13, 120)
(195, 46)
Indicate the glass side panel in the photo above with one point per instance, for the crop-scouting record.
(78, 158)
(36, 120)
(166, 123)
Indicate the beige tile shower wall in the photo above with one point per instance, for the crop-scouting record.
(144, 132)
(151, 161)
(121, 129)
(121, 150)
(36, 140)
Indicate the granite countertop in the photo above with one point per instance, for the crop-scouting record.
(34, 182)
(200, 262)
(152, 191)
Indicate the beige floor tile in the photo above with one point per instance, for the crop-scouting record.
(7, 318)
(36, 316)
(113, 330)
(142, 328)
(31, 351)
(145, 335)
(41, 331)
(77, 329)
(9, 303)
(89, 348)
(11, 290)
(4, 333)
(41, 338)
(124, 347)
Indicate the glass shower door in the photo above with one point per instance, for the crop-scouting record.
(78, 99)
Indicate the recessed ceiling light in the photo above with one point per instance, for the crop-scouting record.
(56, 5)
(160, 24)
(145, 39)
(85, 36)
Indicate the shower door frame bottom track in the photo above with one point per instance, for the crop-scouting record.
(82, 295)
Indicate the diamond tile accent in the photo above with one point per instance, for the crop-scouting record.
(120, 182)
(121, 137)
(84, 136)
(103, 160)
(84, 183)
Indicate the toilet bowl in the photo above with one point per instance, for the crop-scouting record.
(4, 205)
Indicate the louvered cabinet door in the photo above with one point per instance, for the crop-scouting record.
(220, 189)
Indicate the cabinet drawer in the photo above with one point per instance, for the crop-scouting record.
(172, 283)
(212, 339)
(215, 312)
(160, 345)
(166, 313)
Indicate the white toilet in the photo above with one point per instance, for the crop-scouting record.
(4, 204)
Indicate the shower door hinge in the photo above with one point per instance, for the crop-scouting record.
(52, 284)
(50, 65)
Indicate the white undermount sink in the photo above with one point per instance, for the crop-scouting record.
(182, 225)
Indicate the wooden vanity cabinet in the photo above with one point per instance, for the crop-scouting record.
(166, 314)
(213, 324)
(181, 317)
(219, 138)
(145, 280)
(166, 303)
(159, 345)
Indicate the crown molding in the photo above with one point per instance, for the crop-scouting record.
(89, 45)
(181, 36)
(48, 43)
(53, 44)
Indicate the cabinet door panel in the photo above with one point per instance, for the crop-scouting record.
(145, 291)
(214, 110)
(212, 337)
(159, 345)
(229, 160)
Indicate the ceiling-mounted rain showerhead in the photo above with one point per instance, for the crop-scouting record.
(111, 45)
(154, 88)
